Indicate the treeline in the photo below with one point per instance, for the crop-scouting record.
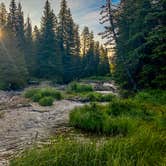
(54, 51)
(141, 44)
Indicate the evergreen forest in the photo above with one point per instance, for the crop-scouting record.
(56, 50)
(69, 97)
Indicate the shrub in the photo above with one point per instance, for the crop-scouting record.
(46, 101)
(93, 97)
(132, 108)
(95, 119)
(30, 92)
(46, 92)
(78, 88)
(37, 94)
(98, 97)
(88, 118)
(121, 107)
(36, 97)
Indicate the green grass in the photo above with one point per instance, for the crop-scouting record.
(44, 96)
(78, 88)
(46, 101)
(120, 116)
(96, 119)
(145, 148)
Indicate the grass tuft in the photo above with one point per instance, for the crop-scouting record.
(78, 88)
(95, 119)
(43, 95)
(46, 101)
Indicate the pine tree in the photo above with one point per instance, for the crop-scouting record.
(48, 56)
(3, 15)
(66, 41)
(85, 41)
(12, 16)
(96, 57)
(13, 73)
(104, 66)
(14, 64)
(36, 34)
(77, 43)
(89, 58)
(77, 48)
(28, 47)
(20, 26)
(138, 41)
(153, 62)
(36, 47)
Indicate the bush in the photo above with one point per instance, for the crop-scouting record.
(94, 97)
(95, 119)
(121, 107)
(131, 108)
(78, 88)
(46, 92)
(46, 101)
(31, 92)
(88, 118)
(37, 94)
(98, 97)
(36, 97)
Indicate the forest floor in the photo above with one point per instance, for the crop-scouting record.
(23, 123)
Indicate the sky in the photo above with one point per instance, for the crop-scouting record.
(85, 12)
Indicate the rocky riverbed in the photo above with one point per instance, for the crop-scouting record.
(22, 122)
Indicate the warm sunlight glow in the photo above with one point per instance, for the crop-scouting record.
(1, 33)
